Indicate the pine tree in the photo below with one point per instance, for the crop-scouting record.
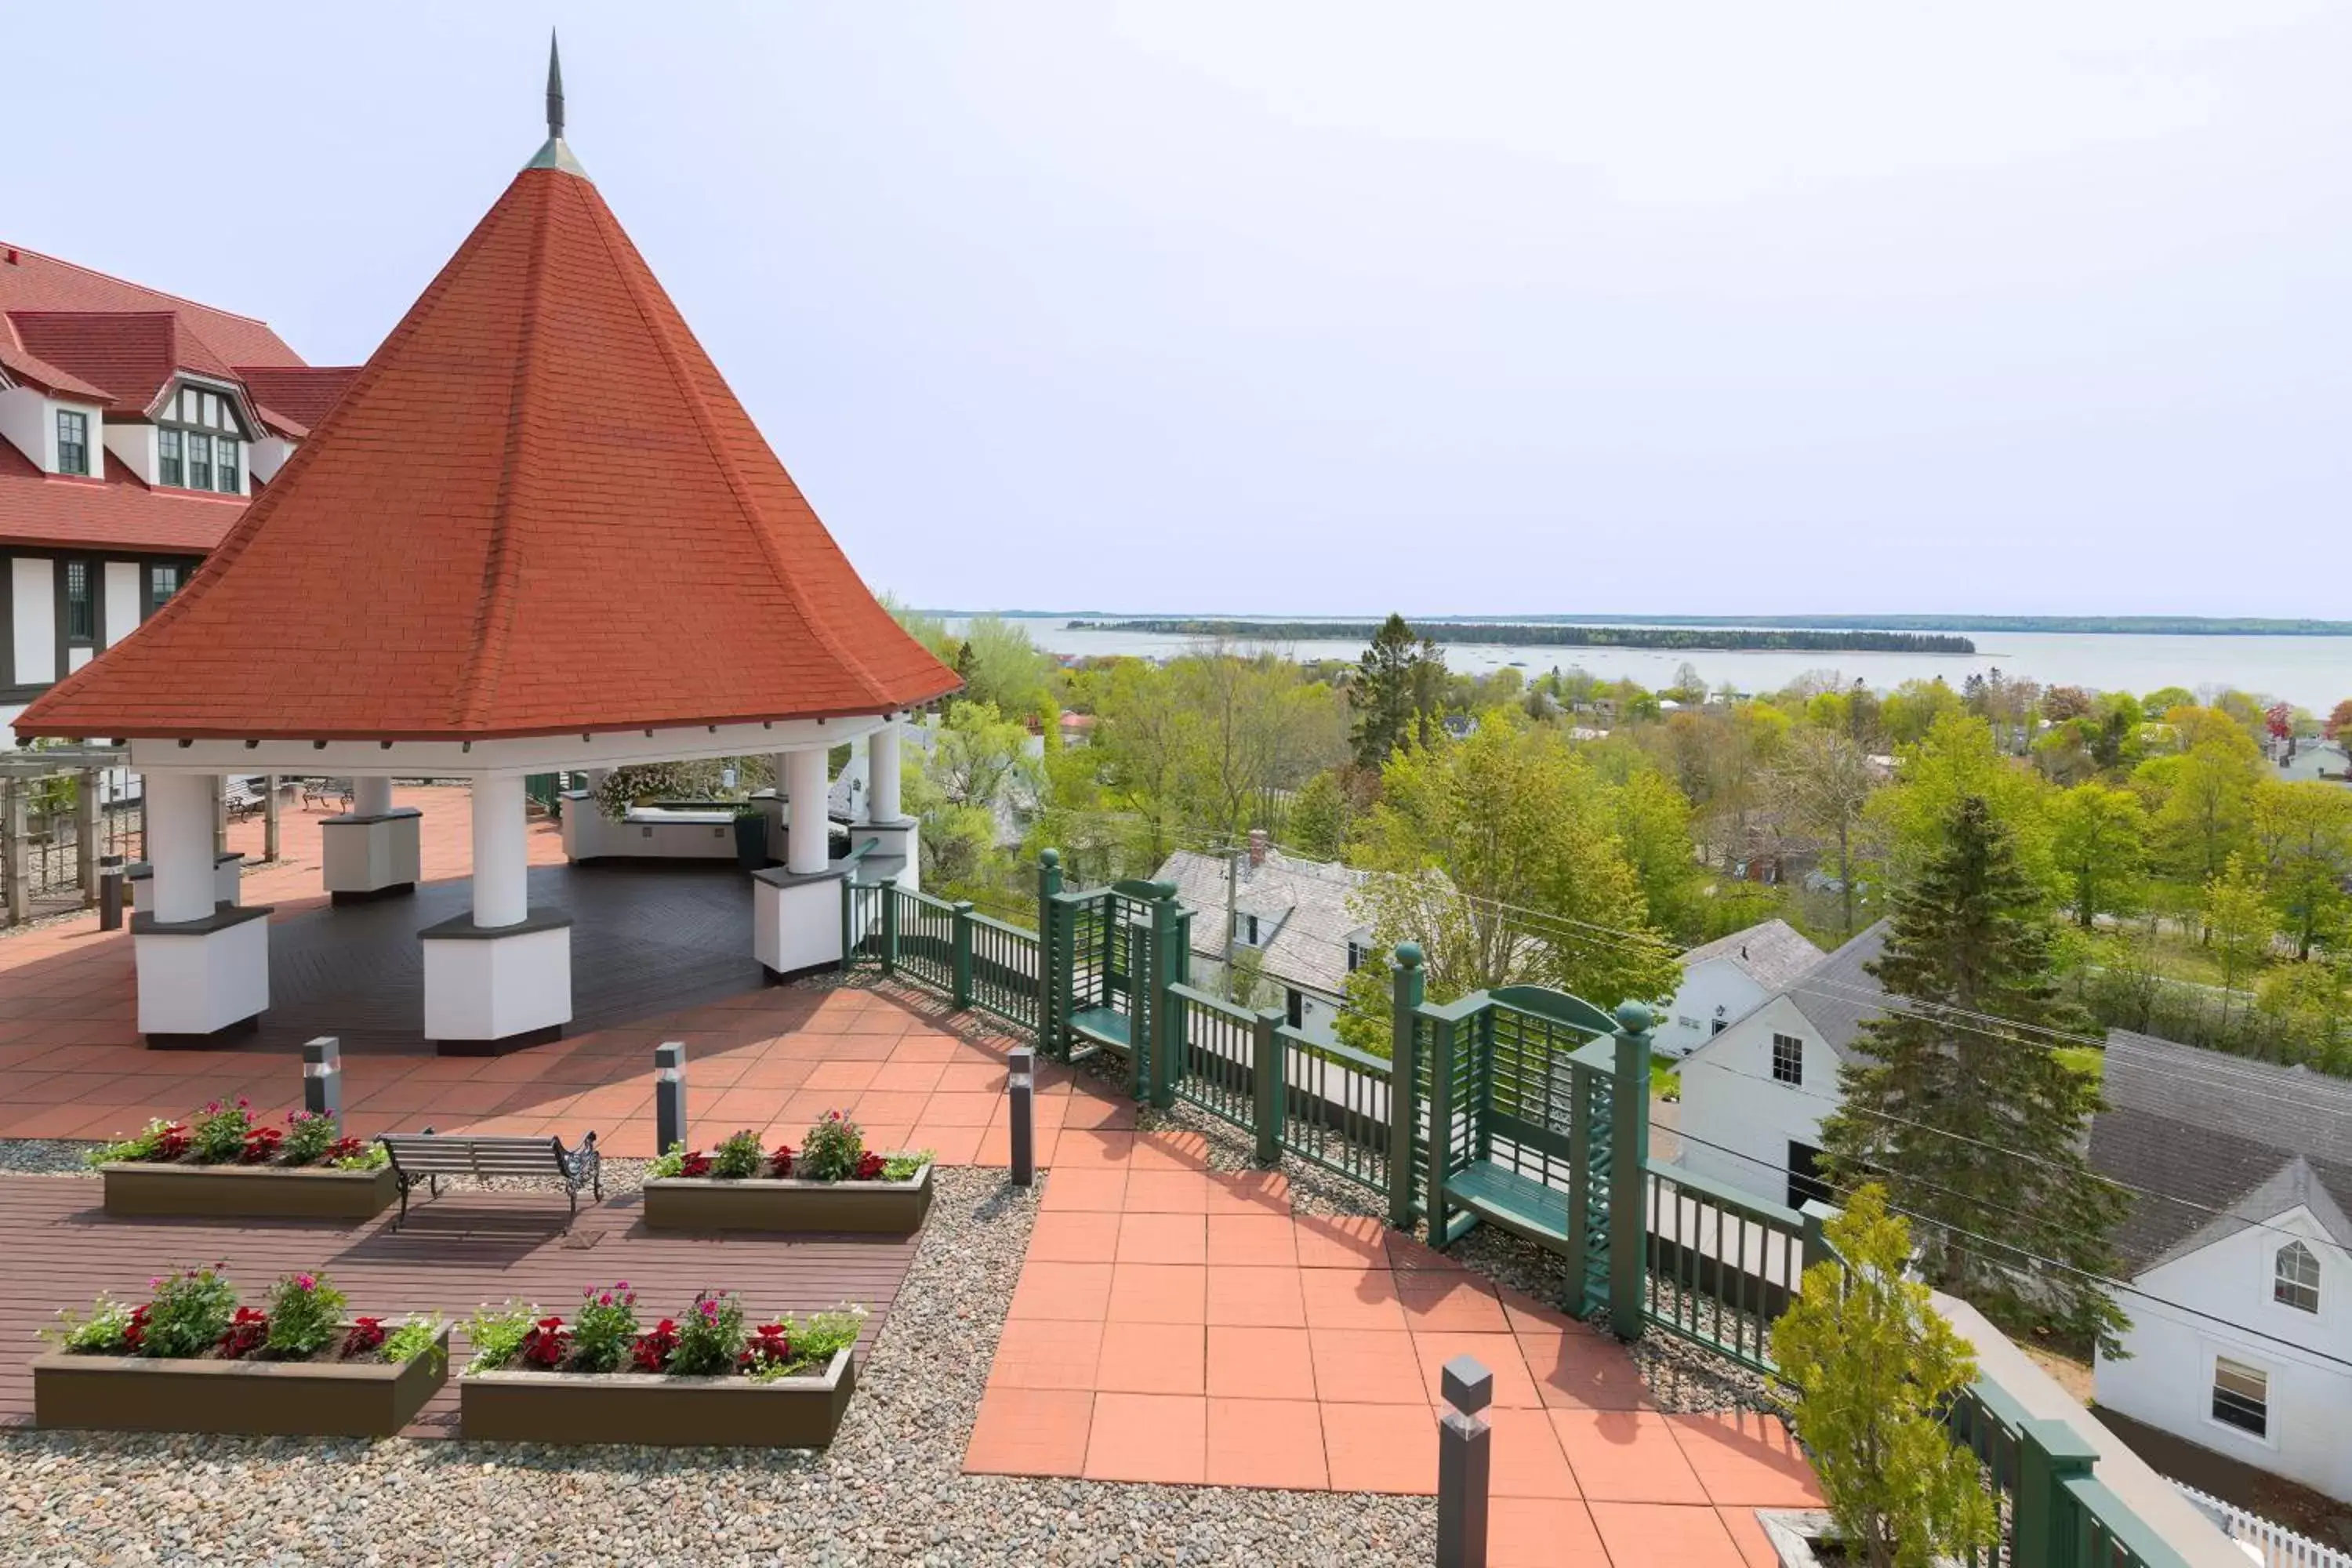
(1958, 1103)
(1396, 693)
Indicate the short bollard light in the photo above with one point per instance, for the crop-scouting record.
(322, 1077)
(111, 885)
(669, 1095)
(1020, 1083)
(1464, 1461)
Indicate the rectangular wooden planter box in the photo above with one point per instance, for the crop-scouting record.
(136, 1188)
(259, 1398)
(703, 1203)
(646, 1407)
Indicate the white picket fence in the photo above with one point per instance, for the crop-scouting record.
(2272, 1545)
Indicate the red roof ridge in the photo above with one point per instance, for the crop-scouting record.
(127, 283)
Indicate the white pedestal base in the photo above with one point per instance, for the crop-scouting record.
(199, 980)
(795, 920)
(492, 990)
(229, 881)
(372, 857)
(901, 838)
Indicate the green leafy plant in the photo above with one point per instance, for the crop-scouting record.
(306, 1315)
(1869, 1366)
(216, 1133)
(737, 1157)
(307, 1138)
(678, 1160)
(351, 1154)
(903, 1167)
(147, 1143)
(104, 1330)
(415, 1335)
(709, 1336)
(831, 1151)
(496, 1334)
(816, 1342)
(190, 1310)
(604, 1328)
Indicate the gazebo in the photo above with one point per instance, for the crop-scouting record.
(537, 534)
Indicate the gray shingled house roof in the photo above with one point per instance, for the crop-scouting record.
(2197, 1132)
(1307, 905)
(1838, 995)
(1773, 955)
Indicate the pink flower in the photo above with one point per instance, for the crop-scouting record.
(711, 1309)
(304, 1281)
(156, 1283)
(620, 1284)
(606, 1300)
(243, 1103)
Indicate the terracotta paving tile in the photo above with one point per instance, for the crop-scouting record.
(1074, 1236)
(1625, 1456)
(1583, 1372)
(962, 1109)
(1153, 1358)
(1445, 1301)
(888, 1137)
(1526, 1457)
(841, 1078)
(1082, 1188)
(734, 1107)
(1341, 1241)
(1513, 1386)
(711, 1072)
(1062, 1290)
(1100, 1111)
(1149, 1437)
(1266, 1443)
(1542, 1532)
(1166, 1192)
(1252, 1239)
(1381, 1447)
(1167, 1151)
(1406, 1252)
(1036, 1353)
(1755, 1549)
(1260, 1363)
(808, 1106)
(995, 1147)
(771, 1073)
(1157, 1293)
(903, 1109)
(1252, 1296)
(940, 1049)
(1746, 1458)
(1360, 1366)
(1163, 1237)
(907, 1077)
(1658, 1535)
(972, 1078)
(1341, 1298)
(1249, 1195)
(1030, 1432)
(948, 1145)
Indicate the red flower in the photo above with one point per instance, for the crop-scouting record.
(174, 1143)
(869, 1167)
(779, 1163)
(547, 1344)
(261, 1146)
(342, 1149)
(768, 1345)
(365, 1337)
(135, 1330)
(695, 1164)
(246, 1333)
(652, 1351)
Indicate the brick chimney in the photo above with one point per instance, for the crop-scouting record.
(1257, 843)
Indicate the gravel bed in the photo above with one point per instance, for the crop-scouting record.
(888, 1490)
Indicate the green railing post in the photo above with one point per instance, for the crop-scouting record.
(959, 930)
(1817, 1248)
(1271, 1085)
(889, 895)
(1168, 1021)
(1405, 988)
(2049, 1455)
(1142, 1010)
(1049, 882)
(1579, 1299)
(1629, 1158)
(1441, 1126)
(848, 922)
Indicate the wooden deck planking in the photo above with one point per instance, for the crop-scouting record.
(457, 1251)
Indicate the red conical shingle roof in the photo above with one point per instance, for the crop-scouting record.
(537, 510)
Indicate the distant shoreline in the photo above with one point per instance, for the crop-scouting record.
(1547, 634)
(2121, 625)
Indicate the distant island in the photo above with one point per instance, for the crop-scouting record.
(2125, 626)
(1696, 637)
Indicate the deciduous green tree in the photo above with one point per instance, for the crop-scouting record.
(1957, 1100)
(1869, 1366)
(1824, 782)
(1959, 760)
(2240, 926)
(2099, 834)
(2302, 830)
(2203, 794)
(1319, 814)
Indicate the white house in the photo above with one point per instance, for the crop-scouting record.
(1729, 978)
(1754, 1095)
(2241, 1299)
(1299, 916)
(134, 427)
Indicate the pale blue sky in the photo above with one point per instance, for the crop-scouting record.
(1340, 307)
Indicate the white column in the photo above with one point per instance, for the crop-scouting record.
(371, 796)
(179, 844)
(882, 774)
(806, 781)
(501, 852)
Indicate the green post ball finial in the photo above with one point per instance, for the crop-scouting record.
(1634, 1018)
(1049, 857)
(1408, 954)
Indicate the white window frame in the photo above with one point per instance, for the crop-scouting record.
(2318, 1286)
(1797, 1041)
(2214, 1356)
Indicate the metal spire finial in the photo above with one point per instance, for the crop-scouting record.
(554, 89)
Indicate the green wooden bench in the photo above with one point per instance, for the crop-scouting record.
(1103, 1025)
(1518, 1204)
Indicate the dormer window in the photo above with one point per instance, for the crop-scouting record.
(1359, 954)
(200, 462)
(73, 443)
(2295, 1278)
(171, 457)
(1245, 931)
(198, 445)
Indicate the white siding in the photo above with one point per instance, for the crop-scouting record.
(133, 446)
(1715, 988)
(2216, 1302)
(1737, 1122)
(124, 586)
(33, 582)
(27, 423)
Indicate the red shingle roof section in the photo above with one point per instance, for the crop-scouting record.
(130, 353)
(304, 394)
(537, 510)
(117, 512)
(31, 282)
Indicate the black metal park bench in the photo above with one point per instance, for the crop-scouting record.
(428, 1156)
